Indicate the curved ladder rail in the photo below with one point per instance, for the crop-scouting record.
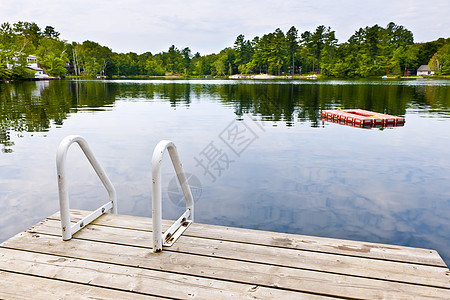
(180, 225)
(67, 229)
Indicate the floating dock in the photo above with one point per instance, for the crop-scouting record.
(112, 258)
(362, 118)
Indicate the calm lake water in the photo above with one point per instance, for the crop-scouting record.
(258, 154)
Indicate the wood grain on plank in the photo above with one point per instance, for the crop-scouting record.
(26, 287)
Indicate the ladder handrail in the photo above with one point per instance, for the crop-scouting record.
(171, 235)
(67, 229)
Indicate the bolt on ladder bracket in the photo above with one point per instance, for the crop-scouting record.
(176, 230)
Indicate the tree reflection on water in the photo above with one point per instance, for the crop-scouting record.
(38, 106)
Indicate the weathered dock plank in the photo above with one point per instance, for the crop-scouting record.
(113, 255)
(26, 287)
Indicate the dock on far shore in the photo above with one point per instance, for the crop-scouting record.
(112, 258)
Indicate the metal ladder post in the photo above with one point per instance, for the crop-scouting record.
(175, 231)
(67, 229)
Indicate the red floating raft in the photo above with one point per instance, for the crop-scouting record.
(361, 118)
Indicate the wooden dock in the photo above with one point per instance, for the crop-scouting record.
(112, 259)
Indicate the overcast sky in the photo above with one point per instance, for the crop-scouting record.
(208, 26)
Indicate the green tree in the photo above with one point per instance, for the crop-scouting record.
(186, 54)
(278, 54)
(366, 46)
(153, 67)
(29, 31)
(50, 32)
(54, 65)
(259, 57)
(328, 50)
(427, 50)
(230, 55)
(52, 55)
(403, 59)
(223, 62)
(94, 59)
(244, 51)
(314, 44)
(129, 64)
(292, 44)
(440, 62)
(7, 49)
(378, 51)
(173, 60)
(399, 36)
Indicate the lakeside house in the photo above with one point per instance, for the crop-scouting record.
(33, 65)
(424, 70)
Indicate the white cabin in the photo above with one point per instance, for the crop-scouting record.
(424, 70)
(33, 65)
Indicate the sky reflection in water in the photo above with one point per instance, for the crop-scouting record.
(289, 172)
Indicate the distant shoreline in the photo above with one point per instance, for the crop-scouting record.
(233, 77)
(276, 77)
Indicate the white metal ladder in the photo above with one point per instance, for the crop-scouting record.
(64, 207)
(183, 222)
(159, 238)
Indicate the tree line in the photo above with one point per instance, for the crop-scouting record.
(370, 51)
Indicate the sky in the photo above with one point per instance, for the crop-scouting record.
(208, 26)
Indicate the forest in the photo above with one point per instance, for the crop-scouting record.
(369, 52)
